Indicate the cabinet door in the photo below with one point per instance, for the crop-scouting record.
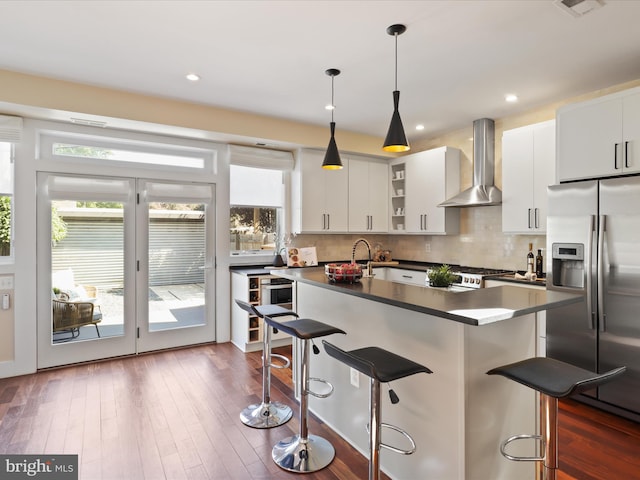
(631, 133)
(590, 140)
(312, 192)
(416, 195)
(323, 195)
(379, 196)
(544, 163)
(336, 197)
(359, 210)
(517, 181)
(368, 191)
(431, 177)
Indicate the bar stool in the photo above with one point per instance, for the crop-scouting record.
(553, 379)
(267, 414)
(381, 366)
(304, 453)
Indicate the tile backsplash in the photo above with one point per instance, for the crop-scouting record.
(480, 243)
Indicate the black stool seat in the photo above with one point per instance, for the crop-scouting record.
(304, 328)
(376, 362)
(553, 377)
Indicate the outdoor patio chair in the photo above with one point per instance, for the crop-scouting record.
(70, 316)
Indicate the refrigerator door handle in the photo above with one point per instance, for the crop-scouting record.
(601, 232)
(588, 274)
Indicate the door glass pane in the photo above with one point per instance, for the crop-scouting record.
(176, 265)
(87, 265)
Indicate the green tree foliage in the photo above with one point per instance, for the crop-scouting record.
(263, 220)
(58, 227)
(5, 225)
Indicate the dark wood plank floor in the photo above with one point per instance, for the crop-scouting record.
(174, 415)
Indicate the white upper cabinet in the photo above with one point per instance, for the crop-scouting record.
(319, 198)
(600, 137)
(428, 178)
(528, 168)
(368, 194)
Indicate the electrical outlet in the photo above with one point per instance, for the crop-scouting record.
(355, 377)
(427, 247)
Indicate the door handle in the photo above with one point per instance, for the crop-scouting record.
(536, 217)
(588, 273)
(615, 156)
(328, 221)
(425, 222)
(602, 228)
(529, 218)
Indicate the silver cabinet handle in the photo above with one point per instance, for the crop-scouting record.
(615, 156)
(328, 221)
(536, 217)
(529, 218)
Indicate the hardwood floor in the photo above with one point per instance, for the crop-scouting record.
(174, 415)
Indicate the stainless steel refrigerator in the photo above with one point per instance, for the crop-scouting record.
(593, 248)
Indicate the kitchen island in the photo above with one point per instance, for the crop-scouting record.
(458, 415)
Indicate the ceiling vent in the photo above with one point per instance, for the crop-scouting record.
(578, 8)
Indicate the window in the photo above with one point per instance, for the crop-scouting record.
(6, 199)
(257, 209)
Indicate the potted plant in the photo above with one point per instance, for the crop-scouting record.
(441, 276)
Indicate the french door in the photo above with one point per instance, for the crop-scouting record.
(124, 266)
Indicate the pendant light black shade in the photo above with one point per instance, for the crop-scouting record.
(396, 140)
(332, 156)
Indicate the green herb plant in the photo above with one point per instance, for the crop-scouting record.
(441, 276)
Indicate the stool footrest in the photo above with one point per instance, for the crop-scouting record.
(320, 395)
(396, 449)
(504, 444)
(286, 361)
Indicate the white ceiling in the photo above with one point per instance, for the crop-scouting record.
(457, 59)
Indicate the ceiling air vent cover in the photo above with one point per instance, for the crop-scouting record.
(578, 8)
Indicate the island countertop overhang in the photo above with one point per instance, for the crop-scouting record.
(476, 307)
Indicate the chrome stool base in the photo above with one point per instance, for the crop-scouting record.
(299, 456)
(266, 415)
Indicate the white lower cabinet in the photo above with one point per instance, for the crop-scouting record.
(247, 330)
(427, 179)
(401, 275)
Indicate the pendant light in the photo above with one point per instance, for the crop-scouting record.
(396, 140)
(332, 157)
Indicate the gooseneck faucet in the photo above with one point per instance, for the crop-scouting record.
(353, 255)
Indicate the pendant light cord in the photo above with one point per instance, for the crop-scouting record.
(333, 105)
(396, 35)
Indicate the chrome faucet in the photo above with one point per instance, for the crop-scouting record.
(369, 272)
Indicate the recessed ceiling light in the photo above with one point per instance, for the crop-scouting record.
(193, 77)
(511, 97)
(419, 127)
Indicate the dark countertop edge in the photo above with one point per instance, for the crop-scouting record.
(351, 289)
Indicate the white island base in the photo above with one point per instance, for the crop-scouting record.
(457, 416)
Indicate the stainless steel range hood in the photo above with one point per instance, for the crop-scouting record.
(483, 192)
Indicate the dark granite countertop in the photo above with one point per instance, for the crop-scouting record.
(475, 307)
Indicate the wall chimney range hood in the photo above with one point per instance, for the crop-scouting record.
(483, 192)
